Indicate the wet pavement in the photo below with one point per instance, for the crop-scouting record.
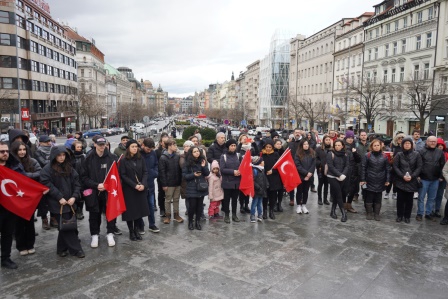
(295, 256)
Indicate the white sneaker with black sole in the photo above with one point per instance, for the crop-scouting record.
(299, 209)
(110, 240)
(94, 243)
(154, 229)
(305, 210)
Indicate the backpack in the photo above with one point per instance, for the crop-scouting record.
(225, 157)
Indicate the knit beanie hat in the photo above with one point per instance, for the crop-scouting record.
(349, 134)
(230, 142)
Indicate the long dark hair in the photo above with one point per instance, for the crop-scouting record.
(128, 155)
(301, 152)
(64, 168)
(26, 161)
(191, 159)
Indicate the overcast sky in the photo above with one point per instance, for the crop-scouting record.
(184, 45)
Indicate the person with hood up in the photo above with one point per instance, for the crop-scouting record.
(231, 177)
(275, 191)
(215, 191)
(407, 167)
(442, 182)
(261, 185)
(65, 189)
(354, 160)
(322, 169)
(78, 136)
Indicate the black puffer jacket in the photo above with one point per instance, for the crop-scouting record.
(321, 159)
(433, 161)
(215, 151)
(261, 183)
(338, 163)
(228, 164)
(42, 155)
(306, 164)
(375, 171)
(60, 186)
(275, 182)
(170, 173)
(411, 162)
(354, 160)
(192, 180)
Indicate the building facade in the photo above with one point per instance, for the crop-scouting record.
(250, 88)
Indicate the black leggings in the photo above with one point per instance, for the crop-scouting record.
(132, 224)
(302, 192)
(195, 207)
(271, 199)
(230, 195)
(405, 202)
(338, 191)
(323, 183)
(244, 200)
(25, 234)
(352, 190)
(373, 197)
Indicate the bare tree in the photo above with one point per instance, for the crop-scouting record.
(369, 97)
(312, 110)
(170, 110)
(423, 98)
(295, 110)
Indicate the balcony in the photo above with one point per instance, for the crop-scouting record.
(51, 115)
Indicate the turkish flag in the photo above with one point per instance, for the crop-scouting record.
(247, 176)
(119, 160)
(288, 171)
(19, 194)
(115, 201)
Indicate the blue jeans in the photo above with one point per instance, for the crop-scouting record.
(151, 198)
(439, 196)
(430, 188)
(257, 203)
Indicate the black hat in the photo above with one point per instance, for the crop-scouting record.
(44, 138)
(274, 134)
(407, 139)
(230, 142)
(131, 141)
(100, 140)
(124, 137)
(268, 141)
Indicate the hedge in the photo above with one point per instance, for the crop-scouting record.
(206, 143)
(206, 133)
(182, 123)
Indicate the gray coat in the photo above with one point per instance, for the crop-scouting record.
(230, 162)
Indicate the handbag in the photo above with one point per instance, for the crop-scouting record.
(66, 225)
(201, 184)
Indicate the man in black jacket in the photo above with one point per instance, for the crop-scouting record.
(217, 148)
(161, 193)
(433, 161)
(94, 171)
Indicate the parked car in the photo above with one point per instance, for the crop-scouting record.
(386, 139)
(115, 131)
(251, 132)
(106, 132)
(91, 133)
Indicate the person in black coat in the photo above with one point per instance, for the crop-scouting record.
(375, 177)
(407, 167)
(338, 167)
(93, 173)
(354, 160)
(217, 148)
(195, 170)
(134, 179)
(321, 166)
(161, 193)
(241, 149)
(305, 160)
(275, 191)
(78, 161)
(65, 188)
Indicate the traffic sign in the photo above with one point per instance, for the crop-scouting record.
(226, 122)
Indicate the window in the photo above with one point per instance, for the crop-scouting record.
(45, 34)
(34, 66)
(403, 46)
(55, 55)
(343, 64)
(399, 101)
(359, 59)
(396, 26)
(444, 84)
(395, 44)
(33, 46)
(388, 28)
(385, 76)
(426, 71)
(416, 72)
(5, 39)
(393, 76)
(353, 60)
(42, 68)
(386, 50)
(428, 39)
(376, 53)
(24, 84)
(430, 13)
(418, 44)
(35, 85)
(6, 61)
(370, 34)
(6, 83)
(41, 50)
(44, 86)
(419, 17)
(369, 56)
(51, 87)
(4, 17)
(23, 64)
(50, 70)
(401, 74)
(377, 32)
(405, 22)
(52, 38)
(49, 53)
(374, 77)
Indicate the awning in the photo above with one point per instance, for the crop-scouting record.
(201, 116)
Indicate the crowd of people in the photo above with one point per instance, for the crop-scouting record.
(347, 168)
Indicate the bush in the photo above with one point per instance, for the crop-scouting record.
(182, 123)
(180, 142)
(207, 143)
(206, 133)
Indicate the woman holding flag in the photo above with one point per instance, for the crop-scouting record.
(275, 190)
(134, 178)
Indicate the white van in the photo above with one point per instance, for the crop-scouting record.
(263, 130)
(138, 125)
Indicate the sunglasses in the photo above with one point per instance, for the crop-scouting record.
(4, 152)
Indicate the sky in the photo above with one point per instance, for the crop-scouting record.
(185, 45)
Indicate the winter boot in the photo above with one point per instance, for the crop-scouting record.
(369, 211)
(226, 218)
(279, 207)
(45, 224)
(356, 198)
(271, 214)
(137, 234)
(246, 207)
(167, 219)
(333, 211)
(235, 218)
(319, 201)
(376, 211)
(178, 218)
(265, 214)
(344, 215)
(326, 202)
(350, 208)
(198, 224)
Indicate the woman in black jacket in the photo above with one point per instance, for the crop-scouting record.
(275, 190)
(25, 232)
(407, 166)
(338, 166)
(78, 162)
(134, 178)
(244, 145)
(375, 177)
(321, 165)
(195, 170)
(65, 188)
(354, 160)
(305, 160)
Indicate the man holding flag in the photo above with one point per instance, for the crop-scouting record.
(94, 171)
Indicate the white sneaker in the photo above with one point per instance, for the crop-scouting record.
(394, 196)
(110, 240)
(94, 243)
(305, 210)
(299, 209)
(386, 196)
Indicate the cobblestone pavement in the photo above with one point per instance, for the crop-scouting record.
(295, 256)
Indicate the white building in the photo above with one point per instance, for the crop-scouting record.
(251, 102)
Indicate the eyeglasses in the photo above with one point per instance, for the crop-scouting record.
(4, 152)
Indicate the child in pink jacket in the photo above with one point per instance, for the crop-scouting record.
(215, 192)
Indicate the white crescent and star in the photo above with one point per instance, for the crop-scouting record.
(113, 177)
(3, 188)
(283, 166)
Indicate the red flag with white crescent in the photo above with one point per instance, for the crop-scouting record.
(115, 201)
(19, 194)
(288, 171)
(247, 176)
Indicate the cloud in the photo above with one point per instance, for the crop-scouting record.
(186, 45)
